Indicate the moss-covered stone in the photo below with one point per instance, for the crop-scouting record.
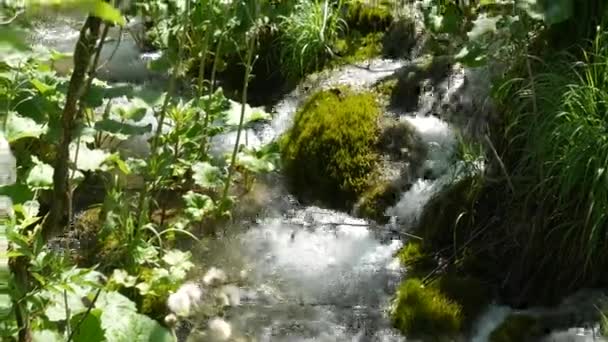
(356, 47)
(365, 17)
(330, 151)
(449, 211)
(424, 311)
(400, 38)
(374, 202)
(470, 293)
(417, 262)
(517, 328)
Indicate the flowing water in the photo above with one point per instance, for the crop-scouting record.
(312, 274)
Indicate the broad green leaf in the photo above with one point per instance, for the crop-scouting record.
(88, 159)
(19, 193)
(18, 127)
(43, 88)
(122, 277)
(198, 206)
(120, 129)
(89, 329)
(121, 322)
(175, 257)
(56, 309)
(254, 164)
(40, 176)
(233, 115)
(206, 175)
(46, 336)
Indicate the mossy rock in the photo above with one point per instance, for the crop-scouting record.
(374, 202)
(356, 47)
(417, 262)
(420, 310)
(400, 39)
(400, 141)
(366, 18)
(87, 226)
(472, 295)
(448, 211)
(517, 328)
(331, 149)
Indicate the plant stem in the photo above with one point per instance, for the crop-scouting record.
(216, 57)
(82, 57)
(248, 67)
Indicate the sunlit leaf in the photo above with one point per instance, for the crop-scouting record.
(198, 206)
(88, 159)
(206, 175)
(233, 115)
(18, 127)
(56, 310)
(40, 176)
(121, 322)
(46, 336)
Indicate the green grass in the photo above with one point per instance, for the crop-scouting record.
(557, 136)
(308, 35)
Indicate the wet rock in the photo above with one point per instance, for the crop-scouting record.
(517, 327)
(400, 38)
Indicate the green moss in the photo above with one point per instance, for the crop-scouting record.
(416, 261)
(517, 328)
(386, 87)
(376, 200)
(472, 295)
(330, 151)
(367, 18)
(418, 310)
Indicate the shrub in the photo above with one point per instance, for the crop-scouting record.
(420, 310)
(330, 150)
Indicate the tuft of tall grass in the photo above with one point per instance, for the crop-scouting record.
(557, 130)
(308, 34)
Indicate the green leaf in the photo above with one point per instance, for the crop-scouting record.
(40, 176)
(88, 159)
(106, 12)
(43, 88)
(90, 329)
(46, 336)
(56, 310)
(198, 206)
(121, 322)
(19, 193)
(18, 127)
(122, 277)
(120, 129)
(206, 175)
(233, 114)
(176, 257)
(255, 164)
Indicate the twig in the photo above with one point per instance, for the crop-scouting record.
(71, 336)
